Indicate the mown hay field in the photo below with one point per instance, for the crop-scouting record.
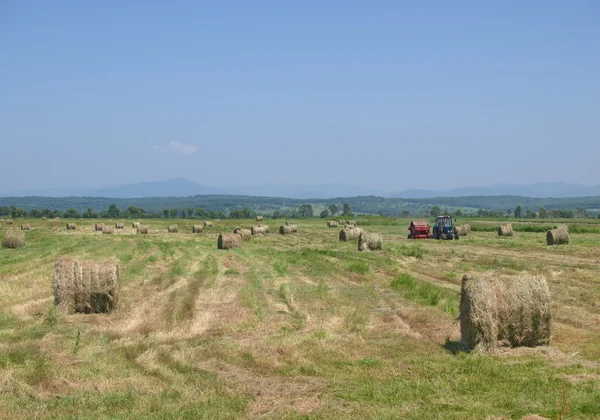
(290, 326)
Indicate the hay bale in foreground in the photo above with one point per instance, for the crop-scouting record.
(197, 229)
(8, 221)
(108, 230)
(461, 230)
(208, 224)
(99, 227)
(369, 241)
(259, 230)
(286, 230)
(501, 310)
(294, 228)
(71, 226)
(332, 224)
(86, 286)
(505, 230)
(259, 218)
(26, 226)
(229, 240)
(13, 239)
(143, 229)
(173, 229)
(558, 235)
(135, 225)
(246, 234)
(349, 233)
(119, 226)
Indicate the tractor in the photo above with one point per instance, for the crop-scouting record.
(443, 228)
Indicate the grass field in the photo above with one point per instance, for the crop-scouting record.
(290, 326)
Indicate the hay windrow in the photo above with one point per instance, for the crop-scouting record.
(505, 230)
(197, 229)
(246, 234)
(173, 229)
(86, 286)
(208, 224)
(26, 226)
(119, 226)
(286, 230)
(99, 227)
(143, 229)
(229, 240)
(332, 224)
(369, 241)
(13, 239)
(71, 226)
(558, 236)
(502, 310)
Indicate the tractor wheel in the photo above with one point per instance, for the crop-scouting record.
(409, 236)
(456, 236)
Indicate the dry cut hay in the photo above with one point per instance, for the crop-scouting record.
(290, 222)
(197, 229)
(135, 225)
(108, 230)
(208, 224)
(26, 226)
(86, 286)
(502, 310)
(461, 230)
(143, 229)
(173, 229)
(246, 234)
(71, 226)
(259, 218)
(119, 226)
(8, 221)
(259, 230)
(505, 230)
(13, 239)
(351, 222)
(229, 240)
(558, 236)
(341, 222)
(294, 228)
(286, 230)
(349, 233)
(99, 226)
(369, 241)
(332, 224)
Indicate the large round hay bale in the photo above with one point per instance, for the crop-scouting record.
(229, 240)
(143, 229)
(558, 235)
(294, 228)
(26, 226)
(119, 226)
(13, 239)
(99, 226)
(259, 218)
(135, 225)
(258, 230)
(341, 222)
(43, 217)
(369, 241)
(108, 230)
(332, 224)
(71, 226)
(467, 228)
(197, 229)
(208, 224)
(173, 229)
(504, 310)
(246, 234)
(349, 233)
(8, 221)
(505, 230)
(351, 222)
(290, 222)
(286, 230)
(86, 286)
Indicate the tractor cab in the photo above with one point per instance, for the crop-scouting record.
(443, 228)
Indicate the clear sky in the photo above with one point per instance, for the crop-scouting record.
(384, 94)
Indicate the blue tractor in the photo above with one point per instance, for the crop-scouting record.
(443, 228)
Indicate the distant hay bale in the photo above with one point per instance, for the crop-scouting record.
(86, 286)
(332, 224)
(143, 229)
(43, 217)
(246, 234)
(286, 230)
(290, 222)
(57, 218)
(259, 218)
(558, 236)
(259, 230)
(208, 224)
(502, 310)
(135, 225)
(349, 233)
(13, 239)
(369, 241)
(351, 222)
(26, 226)
(99, 227)
(173, 229)
(229, 240)
(461, 230)
(341, 222)
(108, 230)
(197, 229)
(119, 226)
(9, 221)
(505, 230)
(71, 226)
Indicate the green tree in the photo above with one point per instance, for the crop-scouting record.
(324, 214)
(305, 211)
(347, 211)
(276, 214)
(333, 209)
(35, 213)
(113, 211)
(458, 213)
(405, 213)
(90, 214)
(519, 211)
(165, 213)
(173, 213)
(200, 212)
(71, 214)
(190, 211)
(435, 211)
(543, 213)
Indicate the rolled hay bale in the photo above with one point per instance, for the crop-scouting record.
(71, 226)
(43, 217)
(349, 233)
(119, 226)
(13, 239)
(332, 224)
(258, 230)
(26, 226)
(341, 222)
(461, 230)
(246, 234)
(108, 230)
(229, 240)
(208, 224)
(290, 222)
(8, 221)
(369, 241)
(468, 228)
(503, 310)
(505, 230)
(135, 225)
(57, 218)
(351, 222)
(197, 229)
(259, 218)
(86, 286)
(173, 229)
(142, 229)
(558, 236)
(99, 227)
(286, 230)
(294, 228)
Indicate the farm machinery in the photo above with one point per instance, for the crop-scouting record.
(418, 230)
(443, 228)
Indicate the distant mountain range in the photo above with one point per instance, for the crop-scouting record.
(180, 187)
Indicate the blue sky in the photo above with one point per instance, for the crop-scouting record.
(387, 95)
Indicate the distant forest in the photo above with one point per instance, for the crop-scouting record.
(222, 206)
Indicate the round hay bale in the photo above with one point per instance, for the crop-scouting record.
(286, 230)
(135, 225)
(108, 230)
(86, 286)
(505, 230)
(294, 228)
(504, 310)
(341, 222)
(57, 218)
(13, 239)
(26, 226)
(558, 235)
(229, 240)
(43, 217)
(258, 230)
(208, 224)
(461, 230)
(369, 241)
(99, 227)
(119, 226)
(9, 221)
(173, 229)
(71, 226)
(143, 229)
(197, 229)
(332, 224)
(290, 222)
(349, 233)
(246, 234)
(351, 222)
(259, 218)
